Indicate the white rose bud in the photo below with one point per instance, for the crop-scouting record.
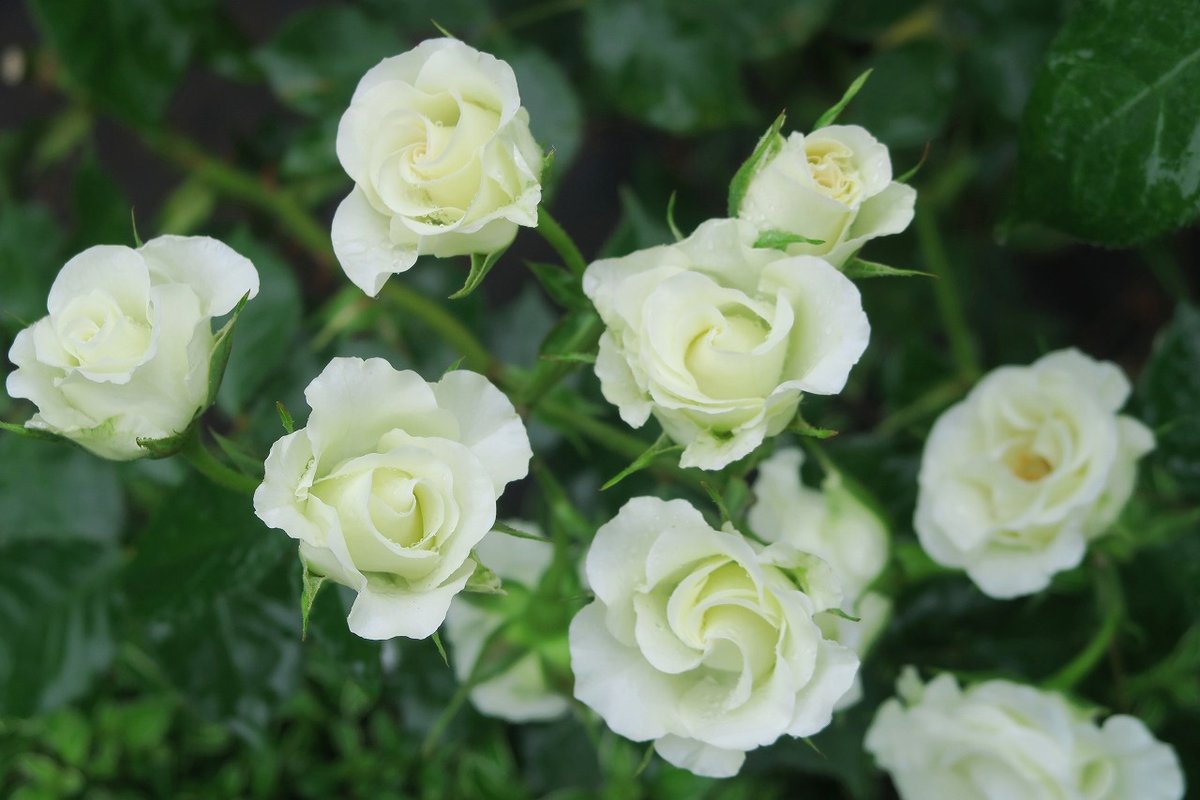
(840, 529)
(1003, 739)
(124, 353)
(391, 485)
(833, 185)
(443, 163)
(521, 693)
(718, 339)
(1035, 462)
(703, 642)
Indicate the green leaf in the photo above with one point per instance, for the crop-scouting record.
(222, 346)
(661, 446)
(43, 489)
(58, 621)
(836, 110)
(800, 427)
(441, 648)
(1168, 392)
(1108, 148)
(763, 152)
(483, 580)
(857, 268)
(781, 240)
(37, 434)
(561, 284)
(319, 54)
(481, 265)
(310, 584)
(201, 542)
(168, 445)
(285, 417)
(127, 55)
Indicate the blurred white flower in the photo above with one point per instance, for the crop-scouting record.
(124, 353)
(392, 484)
(1035, 462)
(521, 692)
(839, 528)
(1003, 739)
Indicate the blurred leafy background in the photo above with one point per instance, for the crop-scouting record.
(149, 632)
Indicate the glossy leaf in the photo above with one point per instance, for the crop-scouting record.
(1109, 147)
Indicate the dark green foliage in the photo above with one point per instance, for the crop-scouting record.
(1109, 144)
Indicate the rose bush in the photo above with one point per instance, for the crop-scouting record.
(1017, 478)
(391, 484)
(833, 185)
(442, 159)
(719, 339)
(703, 642)
(1003, 739)
(839, 528)
(125, 351)
(521, 692)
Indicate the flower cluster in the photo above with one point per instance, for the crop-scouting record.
(710, 641)
(1003, 739)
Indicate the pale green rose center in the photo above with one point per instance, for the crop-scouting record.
(732, 357)
(98, 335)
(832, 167)
(717, 610)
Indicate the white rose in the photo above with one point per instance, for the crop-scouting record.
(1002, 739)
(718, 339)
(521, 693)
(124, 353)
(439, 148)
(1018, 477)
(703, 642)
(392, 484)
(834, 185)
(840, 529)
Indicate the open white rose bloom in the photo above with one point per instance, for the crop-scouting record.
(442, 159)
(1035, 462)
(719, 339)
(390, 486)
(1000, 739)
(837, 527)
(703, 642)
(833, 185)
(520, 693)
(124, 353)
